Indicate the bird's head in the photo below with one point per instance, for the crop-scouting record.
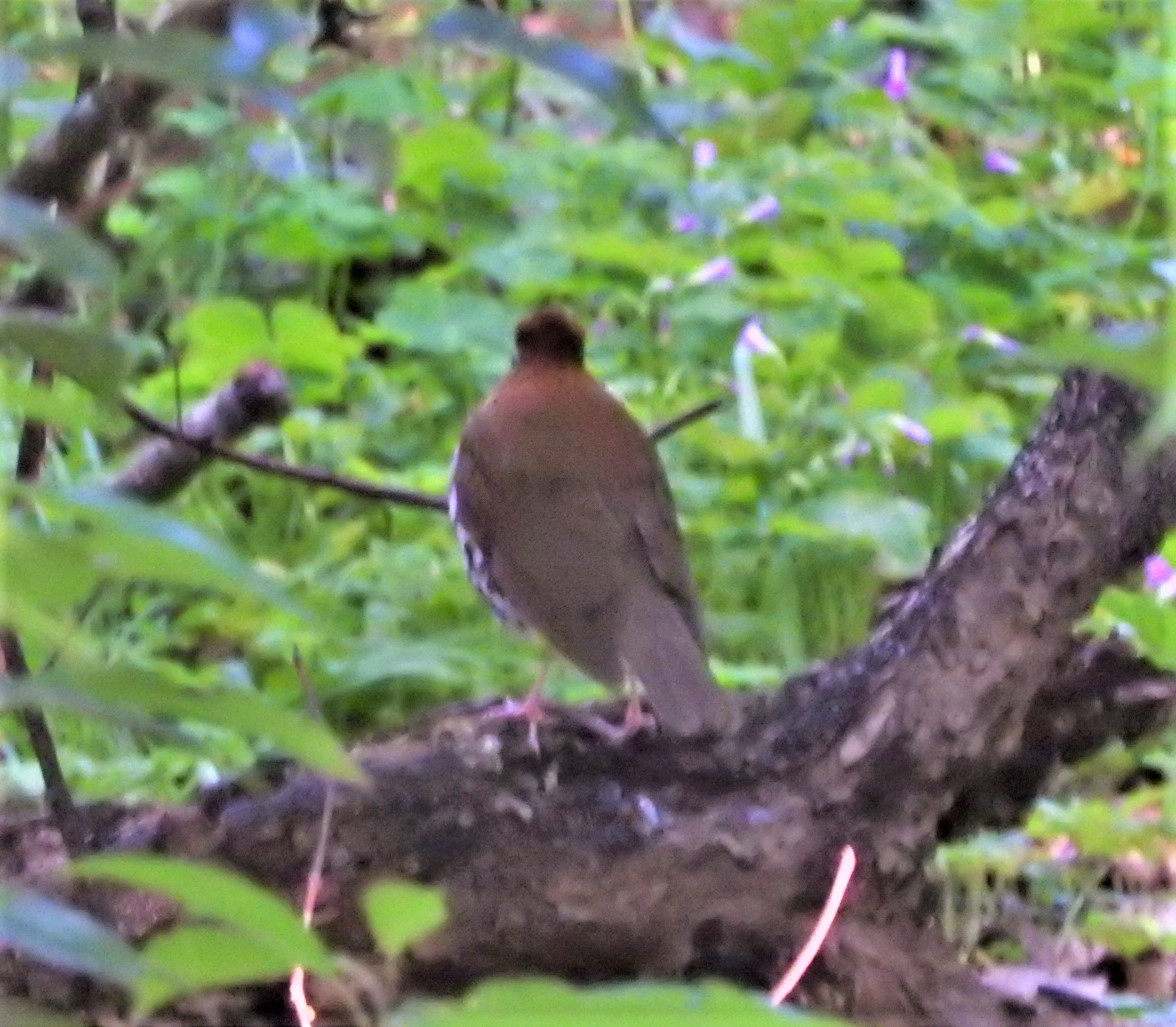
(549, 334)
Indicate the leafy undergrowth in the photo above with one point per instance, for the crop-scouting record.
(879, 236)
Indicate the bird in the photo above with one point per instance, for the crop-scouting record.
(567, 528)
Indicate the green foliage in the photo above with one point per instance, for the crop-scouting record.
(398, 912)
(515, 1003)
(246, 934)
(66, 937)
(923, 266)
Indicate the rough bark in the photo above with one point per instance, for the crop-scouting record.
(666, 859)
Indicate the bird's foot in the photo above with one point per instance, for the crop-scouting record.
(529, 709)
(635, 720)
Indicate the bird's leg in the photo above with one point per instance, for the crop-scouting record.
(634, 720)
(530, 709)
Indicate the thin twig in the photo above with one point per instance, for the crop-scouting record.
(667, 428)
(343, 482)
(310, 475)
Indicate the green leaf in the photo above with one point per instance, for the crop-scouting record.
(306, 338)
(521, 1002)
(64, 407)
(57, 934)
(220, 335)
(399, 912)
(56, 245)
(214, 893)
(617, 88)
(128, 540)
(897, 526)
(197, 958)
(126, 694)
(427, 317)
(449, 148)
(92, 355)
(1150, 622)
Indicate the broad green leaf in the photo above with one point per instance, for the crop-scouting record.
(378, 95)
(399, 912)
(128, 540)
(449, 148)
(896, 317)
(306, 338)
(94, 356)
(221, 335)
(1151, 623)
(423, 315)
(55, 933)
(198, 958)
(65, 408)
(649, 256)
(617, 88)
(126, 694)
(213, 893)
(57, 246)
(520, 1002)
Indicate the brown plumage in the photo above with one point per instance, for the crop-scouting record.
(568, 529)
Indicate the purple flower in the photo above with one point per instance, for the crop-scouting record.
(852, 452)
(687, 223)
(1001, 163)
(1159, 576)
(753, 337)
(705, 154)
(764, 209)
(717, 270)
(897, 86)
(990, 337)
(912, 429)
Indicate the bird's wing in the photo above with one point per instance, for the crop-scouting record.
(473, 510)
(660, 541)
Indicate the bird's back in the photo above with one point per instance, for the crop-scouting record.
(565, 493)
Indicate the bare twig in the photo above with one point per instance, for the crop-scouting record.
(310, 475)
(194, 449)
(675, 424)
(162, 466)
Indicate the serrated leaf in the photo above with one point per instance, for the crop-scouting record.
(399, 912)
(214, 893)
(92, 355)
(617, 88)
(126, 694)
(56, 245)
(66, 937)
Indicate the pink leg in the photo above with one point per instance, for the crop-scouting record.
(530, 709)
(635, 718)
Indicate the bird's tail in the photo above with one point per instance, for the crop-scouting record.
(659, 651)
